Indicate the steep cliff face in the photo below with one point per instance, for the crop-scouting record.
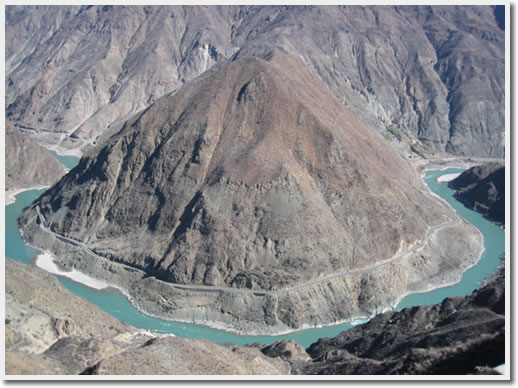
(26, 163)
(253, 177)
(411, 70)
(482, 188)
(435, 74)
(73, 71)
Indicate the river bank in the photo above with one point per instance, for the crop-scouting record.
(494, 245)
(164, 321)
(60, 151)
(48, 330)
(10, 195)
(46, 263)
(136, 288)
(447, 177)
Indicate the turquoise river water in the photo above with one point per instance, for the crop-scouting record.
(116, 304)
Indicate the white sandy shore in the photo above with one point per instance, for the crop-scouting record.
(10, 195)
(46, 263)
(448, 177)
(64, 151)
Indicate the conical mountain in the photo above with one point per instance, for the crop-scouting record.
(253, 176)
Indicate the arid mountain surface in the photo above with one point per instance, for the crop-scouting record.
(458, 336)
(434, 74)
(245, 168)
(482, 188)
(27, 164)
(50, 331)
(252, 178)
(218, 184)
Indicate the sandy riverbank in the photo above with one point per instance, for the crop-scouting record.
(443, 163)
(10, 195)
(46, 263)
(447, 177)
(64, 151)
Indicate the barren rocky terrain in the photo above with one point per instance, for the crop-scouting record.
(27, 164)
(50, 331)
(249, 168)
(246, 200)
(457, 336)
(431, 74)
(482, 188)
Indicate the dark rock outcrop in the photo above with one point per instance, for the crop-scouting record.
(458, 336)
(482, 188)
(433, 73)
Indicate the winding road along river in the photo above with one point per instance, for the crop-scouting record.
(115, 303)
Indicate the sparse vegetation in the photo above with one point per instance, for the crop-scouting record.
(7, 321)
(421, 150)
(395, 131)
(388, 136)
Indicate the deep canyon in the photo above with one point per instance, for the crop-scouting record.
(258, 169)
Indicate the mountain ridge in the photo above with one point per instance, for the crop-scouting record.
(392, 66)
(24, 161)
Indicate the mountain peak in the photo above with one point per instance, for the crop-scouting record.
(253, 177)
(241, 154)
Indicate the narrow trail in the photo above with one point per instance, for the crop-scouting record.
(454, 219)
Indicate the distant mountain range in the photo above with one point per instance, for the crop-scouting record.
(429, 74)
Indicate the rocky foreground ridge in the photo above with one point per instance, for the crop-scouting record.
(50, 331)
(434, 74)
(253, 200)
(457, 336)
(482, 188)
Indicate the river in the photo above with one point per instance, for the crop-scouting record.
(116, 304)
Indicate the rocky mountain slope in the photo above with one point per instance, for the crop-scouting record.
(249, 198)
(434, 75)
(26, 163)
(458, 336)
(482, 188)
(50, 331)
